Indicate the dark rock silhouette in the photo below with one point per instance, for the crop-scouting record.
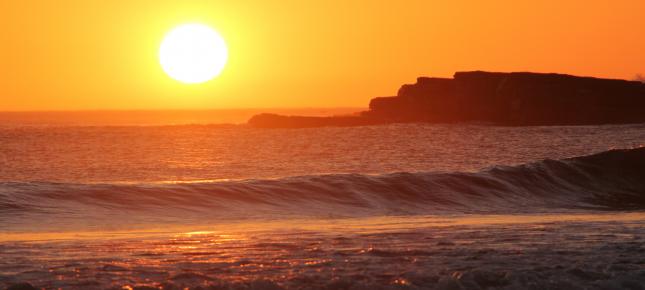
(519, 98)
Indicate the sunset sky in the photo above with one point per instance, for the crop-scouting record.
(76, 55)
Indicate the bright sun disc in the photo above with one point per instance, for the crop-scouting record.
(193, 53)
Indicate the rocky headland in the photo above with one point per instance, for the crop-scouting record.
(512, 99)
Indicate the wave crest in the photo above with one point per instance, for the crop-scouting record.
(611, 180)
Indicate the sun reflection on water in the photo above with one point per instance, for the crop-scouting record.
(283, 253)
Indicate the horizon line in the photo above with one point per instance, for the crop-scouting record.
(179, 110)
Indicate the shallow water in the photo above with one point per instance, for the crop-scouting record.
(583, 251)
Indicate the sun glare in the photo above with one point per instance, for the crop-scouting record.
(193, 53)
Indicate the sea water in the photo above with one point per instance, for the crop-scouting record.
(412, 206)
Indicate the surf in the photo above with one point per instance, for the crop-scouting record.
(612, 180)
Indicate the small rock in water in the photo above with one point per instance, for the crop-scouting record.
(22, 286)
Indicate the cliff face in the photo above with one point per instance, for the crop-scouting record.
(562, 99)
(501, 98)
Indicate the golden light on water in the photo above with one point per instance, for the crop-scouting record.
(193, 53)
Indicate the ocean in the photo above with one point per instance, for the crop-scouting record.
(401, 206)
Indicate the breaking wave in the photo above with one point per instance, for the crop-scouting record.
(611, 180)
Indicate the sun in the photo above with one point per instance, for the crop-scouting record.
(193, 53)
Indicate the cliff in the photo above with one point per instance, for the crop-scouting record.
(519, 98)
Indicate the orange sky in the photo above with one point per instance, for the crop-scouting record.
(79, 54)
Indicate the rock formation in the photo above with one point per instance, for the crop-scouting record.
(518, 98)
